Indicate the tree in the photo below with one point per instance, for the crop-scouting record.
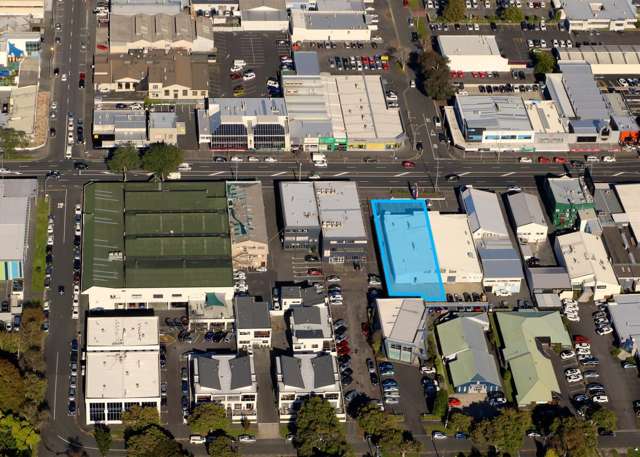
(10, 140)
(604, 418)
(459, 422)
(162, 159)
(544, 62)
(512, 14)
(318, 432)
(574, 437)
(208, 417)
(551, 452)
(102, 435)
(153, 442)
(123, 159)
(395, 441)
(371, 420)
(505, 432)
(11, 387)
(441, 403)
(222, 446)
(19, 434)
(454, 11)
(137, 418)
(436, 75)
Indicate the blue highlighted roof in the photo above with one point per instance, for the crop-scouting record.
(407, 249)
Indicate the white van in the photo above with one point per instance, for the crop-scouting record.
(592, 159)
(197, 439)
(184, 166)
(174, 175)
(67, 154)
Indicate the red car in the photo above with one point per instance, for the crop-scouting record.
(581, 339)
(454, 402)
(344, 351)
(408, 164)
(314, 272)
(343, 344)
(235, 76)
(82, 75)
(559, 160)
(543, 159)
(366, 331)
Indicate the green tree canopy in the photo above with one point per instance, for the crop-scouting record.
(162, 159)
(208, 417)
(102, 435)
(604, 418)
(153, 442)
(574, 437)
(394, 441)
(512, 14)
(10, 140)
(137, 418)
(18, 434)
(222, 446)
(437, 80)
(544, 62)
(371, 420)
(12, 389)
(505, 432)
(459, 422)
(124, 158)
(454, 11)
(318, 432)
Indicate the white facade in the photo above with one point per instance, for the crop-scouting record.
(122, 366)
(528, 217)
(304, 375)
(321, 26)
(34, 8)
(455, 248)
(587, 263)
(311, 329)
(613, 15)
(229, 380)
(484, 214)
(472, 53)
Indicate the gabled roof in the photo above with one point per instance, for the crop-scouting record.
(291, 371)
(526, 209)
(483, 210)
(322, 371)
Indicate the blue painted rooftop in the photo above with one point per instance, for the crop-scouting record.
(407, 250)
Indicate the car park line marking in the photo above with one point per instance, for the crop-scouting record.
(279, 174)
(507, 174)
(340, 174)
(401, 174)
(55, 386)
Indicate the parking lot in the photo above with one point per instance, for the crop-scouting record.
(260, 50)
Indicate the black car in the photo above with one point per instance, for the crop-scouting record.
(74, 345)
(415, 37)
(54, 174)
(52, 132)
(71, 410)
(76, 265)
(80, 165)
(346, 380)
(185, 404)
(374, 379)
(419, 146)
(347, 372)
(219, 159)
(81, 84)
(185, 387)
(61, 290)
(493, 26)
(311, 258)
(56, 71)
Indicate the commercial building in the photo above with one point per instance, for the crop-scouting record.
(566, 198)
(609, 59)
(253, 323)
(214, 7)
(304, 375)
(112, 128)
(614, 15)
(587, 263)
(472, 53)
(243, 124)
(528, 217)
(628, 196)
(133, 7)
(157, 245)
(463, 344)
(122, 366)
(33, 8)
(455, 248)
(484, 214)
(407, 249)
(300, 222)
(17, 197)
(151, 30)
(625, 319)
(402, 322)
(16, 45)
(228, 380)
(263, 15)
(549, 280)
(526, 337)
(311, 329)
(247, 225)
(164, 128)
(333, 26)
(289, 296)
(501, 266)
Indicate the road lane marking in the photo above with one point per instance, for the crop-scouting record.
(279, 174)
(55, 386)
(401, 174)
(508, 174)
(464, 174)
(619, 173)
(340, 174)
(216, 173)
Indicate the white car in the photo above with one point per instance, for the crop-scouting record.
(573, 317)
(75, 314)
(54, 105)
(78, 210)
(572, 372)
(565, 355)
(78, 230)
(609, 159)
(592, 159)
(623, 82)
(526, 160)
(236, 159)
(253, 159)
(575, 378)
(236, 69)
(438, 436)
(76, 290)
(604, 330)
(514, 189)
(45, 305)
(63, 78)
(50, 229)
(583, 346)
(314, 176)
(583, 351)
(270, 159)
(600, 399)
(247, 439)
(273, 83)
(248, 75)
(50, 240)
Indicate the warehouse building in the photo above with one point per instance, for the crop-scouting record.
(407, 249)
(304, 375)
(164, 128)
(610, 59)
(473, 53)
(501, 266)
(244, 124)
(133, 7)
(17, 197)
(228, 380)
(33, 8)
(455, 248)
(549, 280)
(247, 226)
(122, 366)
(300, 222)
(263, 15)
(625, 319)
(484, 214)
(524, 335)
(156, 246)
(565, 199)
(587, 263)
(528, 217)
(402, 322)
(614, 15)
(463, 345)
(113, 128)
(332, 26)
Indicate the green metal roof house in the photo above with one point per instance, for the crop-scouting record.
(523, 334)
(472, 367)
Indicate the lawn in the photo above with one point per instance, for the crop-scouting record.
(421, 27)
(633, 452)
(416, 4)
(40, 242)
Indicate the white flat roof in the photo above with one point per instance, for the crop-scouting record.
(454, 243)
(115, 333)
(468, 45)
(402, 319)
(123, 375)
(628, 196)
(584, 254)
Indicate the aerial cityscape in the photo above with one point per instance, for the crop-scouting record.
(320, 228)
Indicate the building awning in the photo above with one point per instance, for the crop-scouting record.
(213, 300)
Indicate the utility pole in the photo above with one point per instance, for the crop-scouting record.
(437, 173)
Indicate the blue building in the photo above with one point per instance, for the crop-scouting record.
(407, 249)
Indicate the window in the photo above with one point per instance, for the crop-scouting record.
(185, 92)
(176, 295)
(114, 411)
(166, 92)
(158, 296)
(96, 412)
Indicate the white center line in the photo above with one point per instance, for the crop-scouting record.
(340, 174)
(507, 174)
(216, 173)
(278, 174)
(401, 174)
(55, 386)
